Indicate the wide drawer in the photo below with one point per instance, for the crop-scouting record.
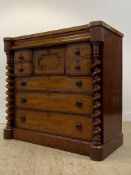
(49, 61)
(79, 58)
(62, 124)
(22, 55)
(74, 103)
(22, 69)
(55, 83)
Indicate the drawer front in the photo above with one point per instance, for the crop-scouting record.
(79, 58)
(49, 61)
(22, 55)
(74, 103)
(62, 124)
(55, 83)
(22, 69)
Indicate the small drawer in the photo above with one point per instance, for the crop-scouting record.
(79, 58)
(76, 126)
(49, 61)
(69, 103)
(55, 83)
(22, 55)
(22, 69)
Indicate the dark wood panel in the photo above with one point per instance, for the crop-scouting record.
(56, 83)
(62, 124)
(55, 102)
(112, 86)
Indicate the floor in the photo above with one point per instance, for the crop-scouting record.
(20, 158)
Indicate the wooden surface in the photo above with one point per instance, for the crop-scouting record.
(75, 126)
(79, 54)
(77, 28)
(22, 55)
(55, 102)
(22, 158)
(24, 68)
(55, 83)
(112, 89)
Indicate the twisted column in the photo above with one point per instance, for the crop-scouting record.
(97, 93)
(10, 91)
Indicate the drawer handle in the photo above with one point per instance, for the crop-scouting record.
(21, 57)
(79, 126)
(23, 83)
(77, 52)
(79, 104)
(23, 118)
(21, 69)
(77, 67)
(23, 100)
(79, 83)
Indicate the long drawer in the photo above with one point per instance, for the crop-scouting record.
(74, 103)
(55, 83)
(62, 124)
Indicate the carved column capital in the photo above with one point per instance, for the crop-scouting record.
(8, 42)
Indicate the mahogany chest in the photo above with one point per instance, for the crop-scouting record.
(64, 89)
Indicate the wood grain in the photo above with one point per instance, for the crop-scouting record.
(55, 83)
(49, 61)
(55, 102)
(55, 123)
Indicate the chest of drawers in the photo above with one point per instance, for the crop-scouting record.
(64, 89)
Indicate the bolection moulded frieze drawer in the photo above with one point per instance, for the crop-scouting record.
(64, 89)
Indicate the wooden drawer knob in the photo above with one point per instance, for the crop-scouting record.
(77, 67)
(23, 100)
(78, 126)
(23, 118)
(23, 83)
(21, 57)
(77, 52)
(79, 83)
(79, 103)
(21, 69)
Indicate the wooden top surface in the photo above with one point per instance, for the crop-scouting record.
(65, 30)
